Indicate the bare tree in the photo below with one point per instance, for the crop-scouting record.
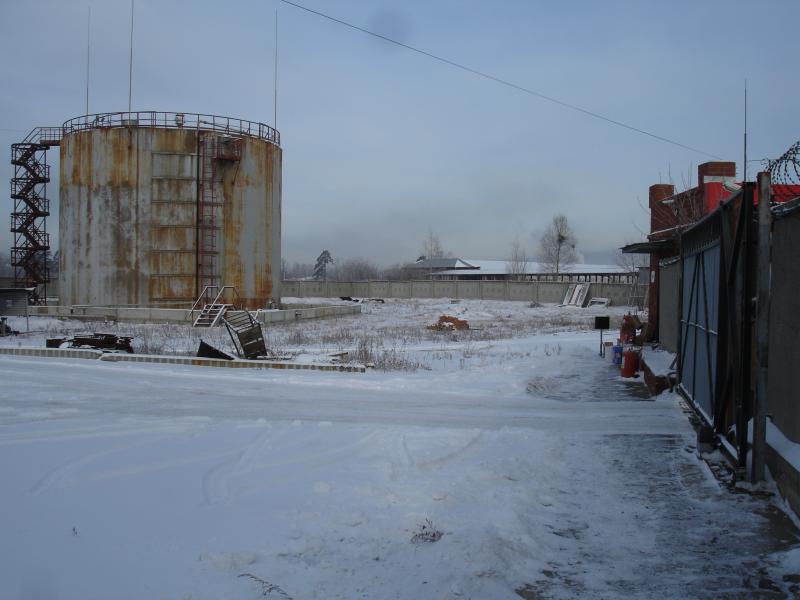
(517, 264)
(432, 247)
(557, 246)
(632, 262)
(355, 269)
(284, 268)
(299, 270)
(397, 272)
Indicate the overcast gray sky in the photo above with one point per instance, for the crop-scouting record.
(381, 144)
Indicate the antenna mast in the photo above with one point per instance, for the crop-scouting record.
(88, 43)
(130, 65)
(275, 80)
(744, 168)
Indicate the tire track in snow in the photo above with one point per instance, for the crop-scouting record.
(67, 471)
(84, 433)
(217, 486)
(216, 481)
(443, 452)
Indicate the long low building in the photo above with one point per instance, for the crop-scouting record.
(499, 270)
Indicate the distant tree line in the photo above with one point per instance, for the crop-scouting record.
(557, 253)
(349, 269)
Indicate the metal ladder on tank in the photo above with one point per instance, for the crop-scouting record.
(212, 150)
(207, 208)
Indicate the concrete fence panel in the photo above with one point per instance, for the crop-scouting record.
(493, 290)
(379, 289)
(552, 291)
(422, 289)
(469, 290)
(521, 290)
(337, 289)
(290, 289)
(360, 289)
(444, 289)
(304, 289)
(399, 289)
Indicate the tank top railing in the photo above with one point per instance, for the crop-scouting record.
(174, 120)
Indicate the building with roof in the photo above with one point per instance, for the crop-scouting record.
(460, 269)
(672, 213)
(434, 265)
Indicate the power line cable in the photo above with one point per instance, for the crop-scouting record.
(502, 81)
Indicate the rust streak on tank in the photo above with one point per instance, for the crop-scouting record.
(128, 210)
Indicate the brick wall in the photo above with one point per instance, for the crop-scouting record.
(661, 217)
(715, 169)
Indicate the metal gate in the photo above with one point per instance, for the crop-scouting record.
(717, 285)
(700, 318)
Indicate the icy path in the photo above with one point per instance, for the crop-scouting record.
(133, 481)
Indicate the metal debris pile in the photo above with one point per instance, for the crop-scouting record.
(108, 342)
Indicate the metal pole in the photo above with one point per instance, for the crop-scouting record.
(275, 78)
(744, 167)
(746, 293)
(762, 326)
(130, 67)
(88, 43)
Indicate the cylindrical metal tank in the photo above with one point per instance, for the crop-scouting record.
(156, 206)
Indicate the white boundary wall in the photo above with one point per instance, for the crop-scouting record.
(525, 291)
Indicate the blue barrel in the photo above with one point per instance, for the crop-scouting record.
(617, 355)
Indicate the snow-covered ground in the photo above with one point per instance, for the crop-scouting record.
(392, 336)
(547, 475)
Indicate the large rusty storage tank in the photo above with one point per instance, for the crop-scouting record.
(156, 206)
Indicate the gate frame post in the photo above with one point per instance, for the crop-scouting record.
(744, 323)
(762, 325)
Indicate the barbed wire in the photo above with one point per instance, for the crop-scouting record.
(785, 174)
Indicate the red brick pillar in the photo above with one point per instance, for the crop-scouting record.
(662, 220)
(715, 169)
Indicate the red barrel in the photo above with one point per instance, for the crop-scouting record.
(630, 363)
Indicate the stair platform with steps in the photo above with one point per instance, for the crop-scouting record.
(211, 314)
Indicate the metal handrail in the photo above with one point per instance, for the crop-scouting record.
(220, 292)
(173, 120)
(34, 172)
(32, 240)
(200, 297)
(37, 134)
(161, 119)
